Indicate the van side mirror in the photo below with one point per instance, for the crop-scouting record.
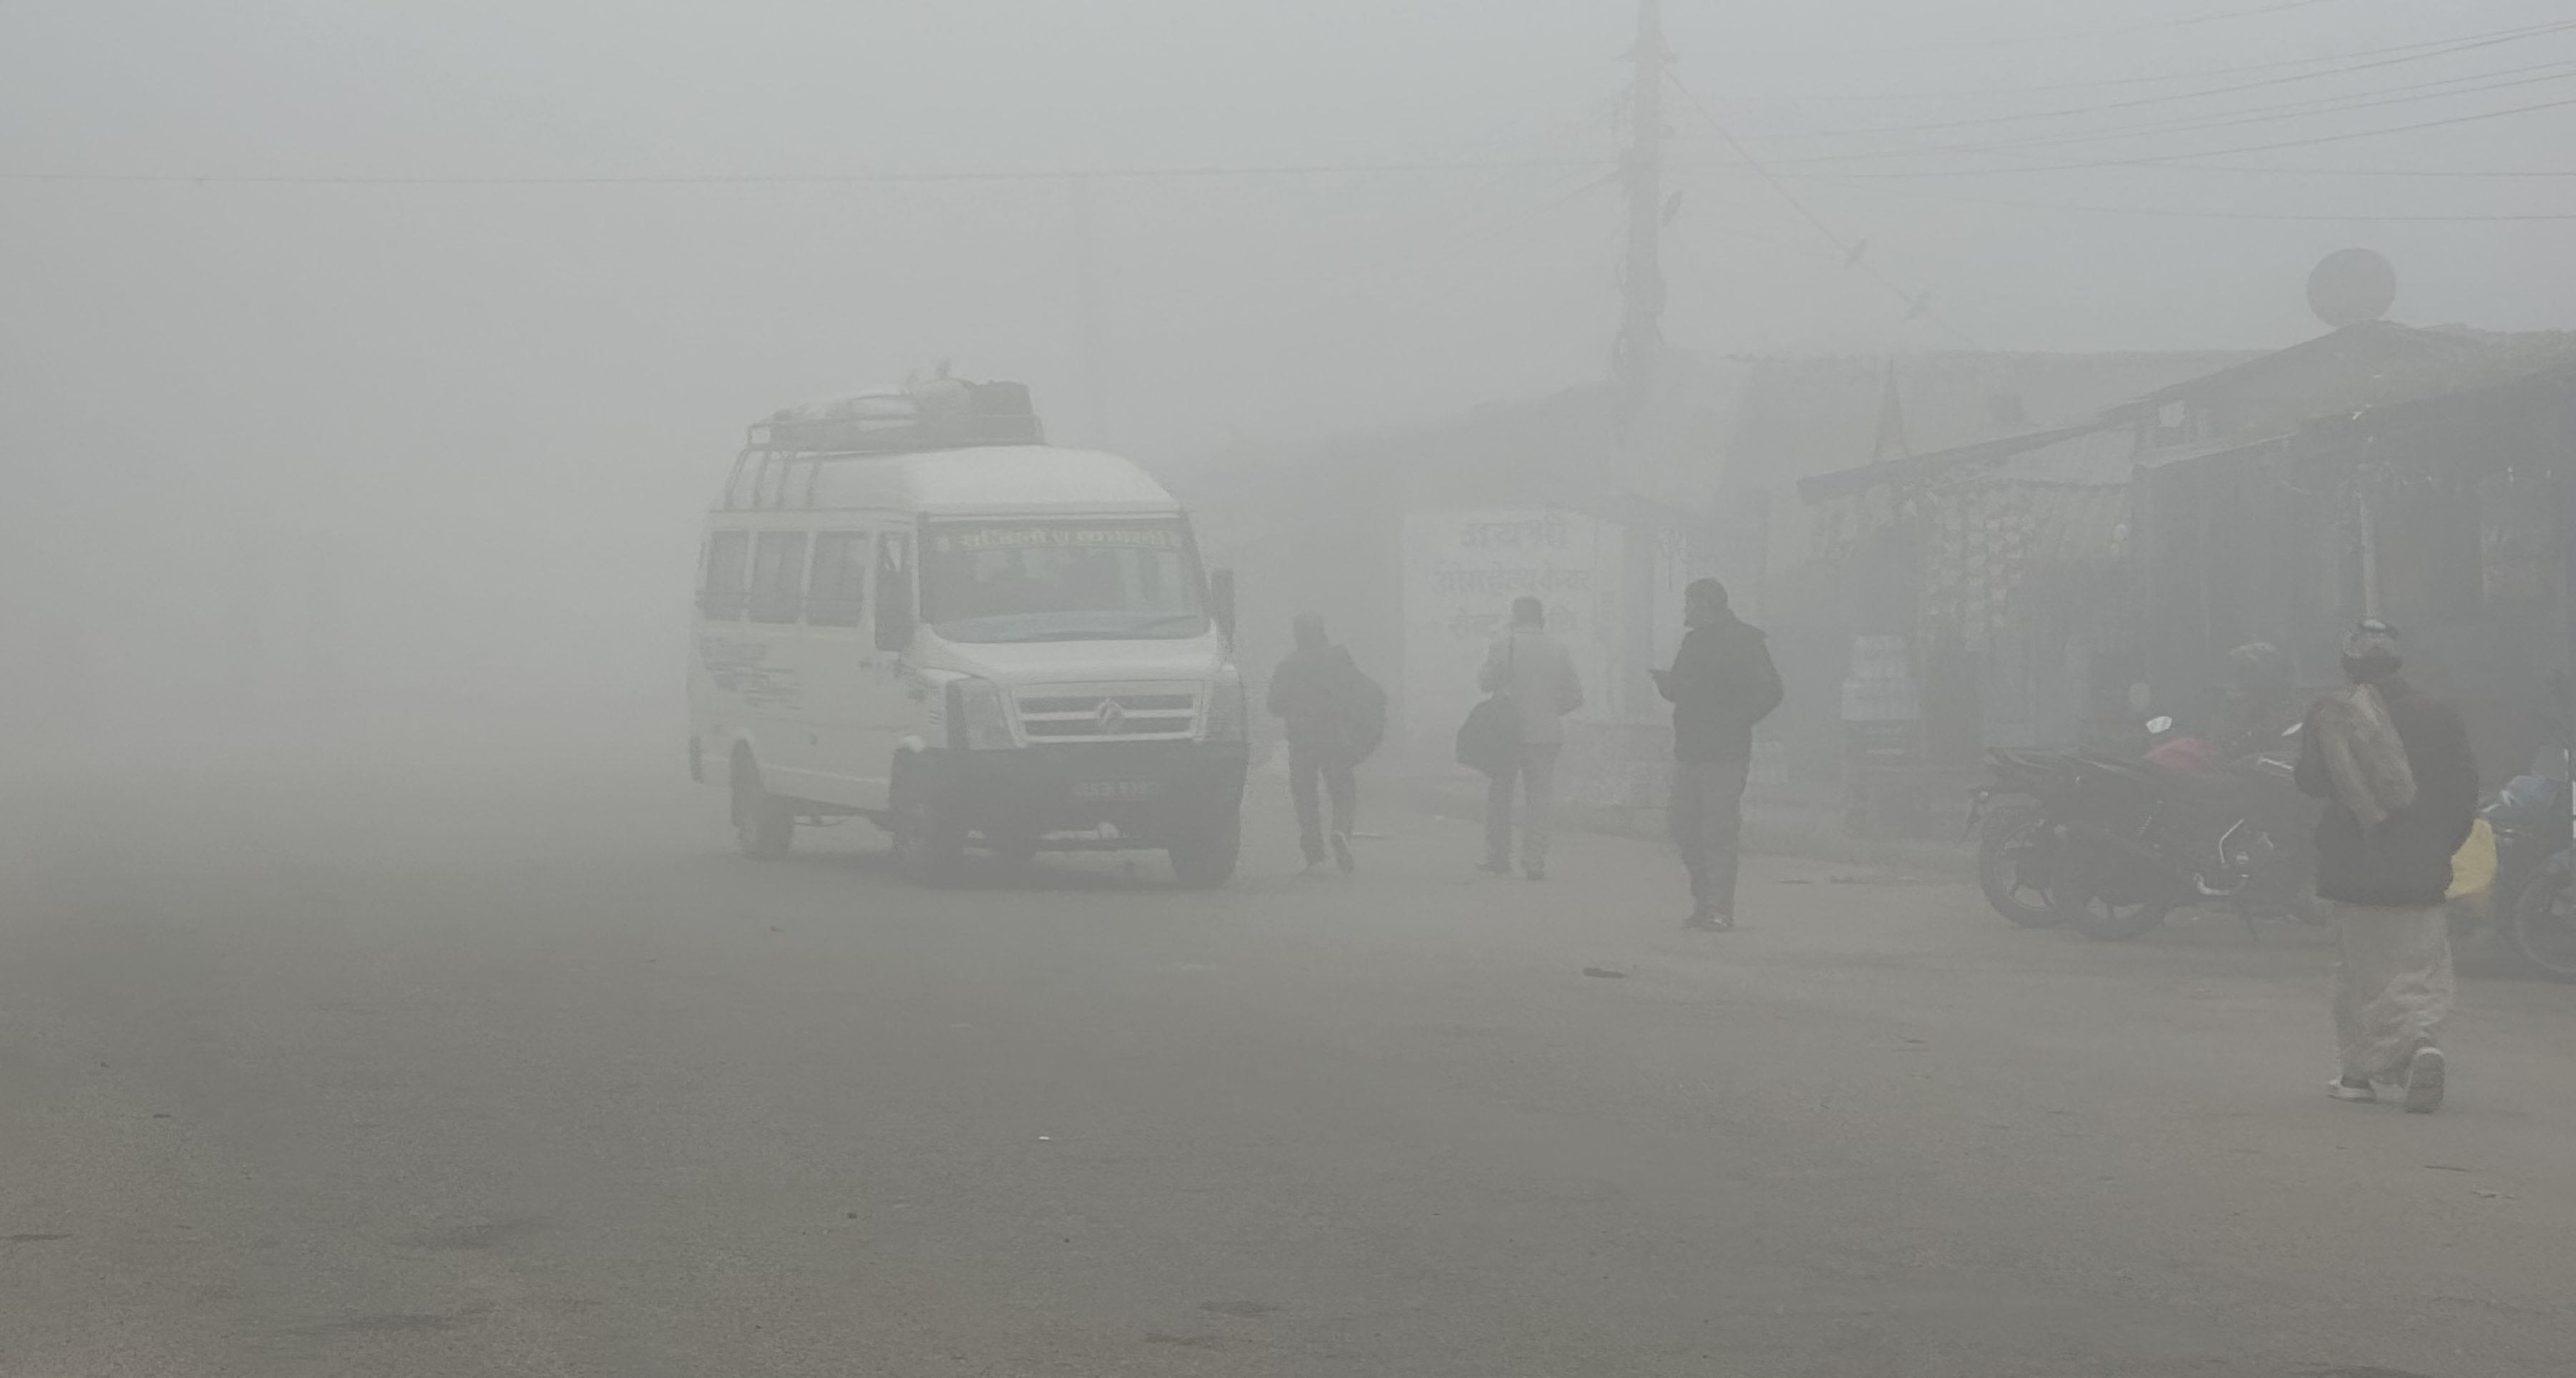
(1221, 602)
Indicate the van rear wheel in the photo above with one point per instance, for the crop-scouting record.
(764, 826)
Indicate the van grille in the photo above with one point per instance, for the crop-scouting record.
(1108, 716)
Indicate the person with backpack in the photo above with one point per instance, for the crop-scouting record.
(1722, 682)
(1532, 670)
(2401, 792)
(1334, 716)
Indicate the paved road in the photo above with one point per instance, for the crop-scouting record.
(303, 1077)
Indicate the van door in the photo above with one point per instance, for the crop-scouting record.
(779, 735)
(723, 659)
(839, 658)
(891, 701)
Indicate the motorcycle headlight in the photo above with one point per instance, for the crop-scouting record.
(977, 719)
(1226, 710)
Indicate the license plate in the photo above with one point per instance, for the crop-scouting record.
(1116, 789)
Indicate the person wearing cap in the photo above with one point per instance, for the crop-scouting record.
(2401, 792)
(1722, 682)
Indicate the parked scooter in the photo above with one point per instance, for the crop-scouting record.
(2138, 841)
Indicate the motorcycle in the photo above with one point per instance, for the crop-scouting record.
(2534, 901)
(2137, 841)
(2021, 811)
(2017, 855)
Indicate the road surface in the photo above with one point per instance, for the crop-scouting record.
(458, 1076)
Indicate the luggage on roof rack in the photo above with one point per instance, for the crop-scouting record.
(937, 414)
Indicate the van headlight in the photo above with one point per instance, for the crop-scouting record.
(1226, 709)
(977, 719)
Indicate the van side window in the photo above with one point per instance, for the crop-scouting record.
(777, 576)
(839, 595)
(722, 583)
(894, 580)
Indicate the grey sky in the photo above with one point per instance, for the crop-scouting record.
(1231, 303)
(485, 360)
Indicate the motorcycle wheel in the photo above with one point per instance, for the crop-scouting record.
(2542, 924)
(2015, 854)
(2092, 892)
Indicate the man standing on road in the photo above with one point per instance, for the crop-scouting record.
(1533, 670)
(1327, 706)
(2401, 795)
(1721, 684)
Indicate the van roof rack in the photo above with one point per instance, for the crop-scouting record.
(939, 413)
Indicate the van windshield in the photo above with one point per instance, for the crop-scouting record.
(1061, 581)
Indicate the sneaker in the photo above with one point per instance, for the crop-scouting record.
(1495, 868)
(2424, 1082)
(1342, 853)
(1699, 922)
(2345, 1088)
(1722, 923)
(1314, 868)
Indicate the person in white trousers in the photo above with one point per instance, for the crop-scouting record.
(1533, 669)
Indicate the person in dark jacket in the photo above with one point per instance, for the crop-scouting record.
(1721, 684)
(2384, 882)
(1318, 695)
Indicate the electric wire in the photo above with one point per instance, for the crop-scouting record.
(1852, 252)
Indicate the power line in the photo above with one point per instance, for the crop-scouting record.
(2167, 159)
(2291, 110)
(2462, 47)
(1851, 252)
(2172, 165)
(2232, 69)
(2262, 115)
(2178, 213)
(804, 179)
(2149, 26)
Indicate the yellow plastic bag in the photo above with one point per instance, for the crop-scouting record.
(2473, 867)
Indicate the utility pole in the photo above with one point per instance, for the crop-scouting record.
(1638, 354)
(1089, 367)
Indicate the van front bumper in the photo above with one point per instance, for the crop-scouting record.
(1148, 791)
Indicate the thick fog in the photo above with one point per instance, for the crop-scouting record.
(1478, 811)
(342, 452)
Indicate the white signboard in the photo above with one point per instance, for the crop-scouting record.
(1461, 572)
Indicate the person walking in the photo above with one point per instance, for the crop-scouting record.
(1722, 682)
(2401, 792)
(1533, 670)
(1327, 707)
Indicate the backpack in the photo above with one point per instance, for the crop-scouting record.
(1361, 705)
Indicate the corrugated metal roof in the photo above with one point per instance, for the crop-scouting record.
(1940, 463)
(2096, 459)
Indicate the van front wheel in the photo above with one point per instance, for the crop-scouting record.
(928, 845)
(764, 826)
(1205, 858)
